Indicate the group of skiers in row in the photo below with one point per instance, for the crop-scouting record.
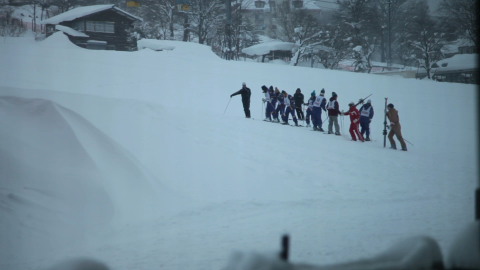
(280, 106)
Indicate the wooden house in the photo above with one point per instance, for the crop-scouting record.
(95, 27)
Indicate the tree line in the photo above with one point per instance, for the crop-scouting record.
(392, 31)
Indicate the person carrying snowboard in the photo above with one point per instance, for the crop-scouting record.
(395, 128)
(299, 100)
(366, 115)
(246, 93)
(333, 111)
(354, 122)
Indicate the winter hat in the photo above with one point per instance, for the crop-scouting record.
(351, 103)
(244, 84)
(334, 94)
(323, 91)
(369, 101)
(390, 105)
(298, 90)
(313, 93)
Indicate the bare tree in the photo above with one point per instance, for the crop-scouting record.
(463, 15)
(205, 18)
(359, 21)
(9, 26)
(306, 34)
(421, 37)
(159, 18)
(333, 46)
(388, 19)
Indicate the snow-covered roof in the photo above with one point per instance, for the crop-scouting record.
(70, 31)
(452, 47)
(85, 11)
(267, 47)
(307, 4)
(458, 62)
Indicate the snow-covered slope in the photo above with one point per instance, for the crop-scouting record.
(138, 144)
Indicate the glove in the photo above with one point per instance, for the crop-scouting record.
(231, 95)
(263, 99)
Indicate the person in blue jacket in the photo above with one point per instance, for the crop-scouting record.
(268, 100)
(318, 106)
(289, 108)
(280, 110)
(310, 108)
(274, 94)
(366, 115)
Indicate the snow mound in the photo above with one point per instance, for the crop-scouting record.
(59, 183)
(48, 189)
(411, 253)
(465, 251)
(59, 40)
(178, 47)
(265, 48)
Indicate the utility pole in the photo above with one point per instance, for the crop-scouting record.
(389, 58)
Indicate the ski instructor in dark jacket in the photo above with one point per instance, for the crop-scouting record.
(246, 93)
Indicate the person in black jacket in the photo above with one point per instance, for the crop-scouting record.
(299, 100)
(246, 93)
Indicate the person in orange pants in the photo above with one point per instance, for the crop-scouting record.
(395, 128)
(354, 122)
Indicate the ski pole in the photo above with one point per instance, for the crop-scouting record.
(227, 105)
(341, 122)
(363, 99)
(408, 141)
(262, 107)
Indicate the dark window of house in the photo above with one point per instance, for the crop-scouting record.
(79, 26)
(102, 27)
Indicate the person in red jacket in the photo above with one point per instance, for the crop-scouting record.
(354, 122)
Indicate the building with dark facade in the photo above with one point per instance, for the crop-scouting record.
(96, 27)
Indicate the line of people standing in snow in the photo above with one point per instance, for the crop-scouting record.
(281, 105)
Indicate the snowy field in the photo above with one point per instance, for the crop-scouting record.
(128, 158)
